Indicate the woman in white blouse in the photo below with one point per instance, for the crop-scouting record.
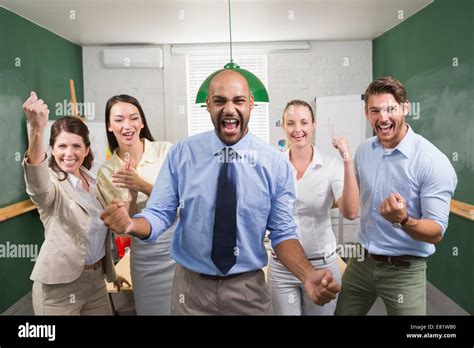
(130, 175)
(322, 181)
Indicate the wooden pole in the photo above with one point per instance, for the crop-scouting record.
(462, 209)
(16, 209)
(75, 111)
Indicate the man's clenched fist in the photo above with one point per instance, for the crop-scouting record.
(116, 217)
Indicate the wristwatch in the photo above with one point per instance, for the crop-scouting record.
(402, 223)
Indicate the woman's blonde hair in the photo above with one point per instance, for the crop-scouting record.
(297, 102)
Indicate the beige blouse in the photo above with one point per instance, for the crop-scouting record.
(148, 168)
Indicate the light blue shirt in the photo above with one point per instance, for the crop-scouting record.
(188, 181)
(419, 172)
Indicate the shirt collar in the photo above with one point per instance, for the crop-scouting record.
(147, 156)
(316, 161)
(241, 146)
(405, 146)
(75, 181)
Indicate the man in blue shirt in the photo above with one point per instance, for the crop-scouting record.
(406, 185)
(230, 187)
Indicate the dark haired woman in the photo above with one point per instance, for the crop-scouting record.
(69, 272)
(129, 175)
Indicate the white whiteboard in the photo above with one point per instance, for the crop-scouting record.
(99, 145)
(340, 116)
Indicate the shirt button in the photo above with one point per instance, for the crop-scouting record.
(374, 209)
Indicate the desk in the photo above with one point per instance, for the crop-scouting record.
(342, 265)
(265, 269)
(122, 268)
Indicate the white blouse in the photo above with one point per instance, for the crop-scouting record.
(321, 184)
(95, 247)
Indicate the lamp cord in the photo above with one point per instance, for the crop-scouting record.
(230, 33)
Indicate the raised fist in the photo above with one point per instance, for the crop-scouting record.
(116, 217)
(36, 111)
(343, 147)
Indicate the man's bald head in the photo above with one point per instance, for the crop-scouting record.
(229, 102)
(227, 76)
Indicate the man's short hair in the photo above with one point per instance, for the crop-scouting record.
(387, 84)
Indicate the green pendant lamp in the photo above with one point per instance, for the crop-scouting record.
(257, 89)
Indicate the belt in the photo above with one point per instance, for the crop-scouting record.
(317, 258)
(324, 257)
(218, 277)
(96, 265)
(399, 260)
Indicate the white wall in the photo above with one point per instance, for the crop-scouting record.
(162, 92)
(144, 84)
(176, 117)
(319, 72)
(303, 75)
(328, 68)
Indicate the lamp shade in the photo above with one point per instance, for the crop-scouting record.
(257, 89)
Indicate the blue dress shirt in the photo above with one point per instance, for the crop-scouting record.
(188, 181)
(419, 172)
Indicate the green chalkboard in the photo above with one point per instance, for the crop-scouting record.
(432, 53)
(20, 241)
(31, 58)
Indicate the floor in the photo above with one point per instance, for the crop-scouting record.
(436, 304)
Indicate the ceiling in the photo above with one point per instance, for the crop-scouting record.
(105, 22)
